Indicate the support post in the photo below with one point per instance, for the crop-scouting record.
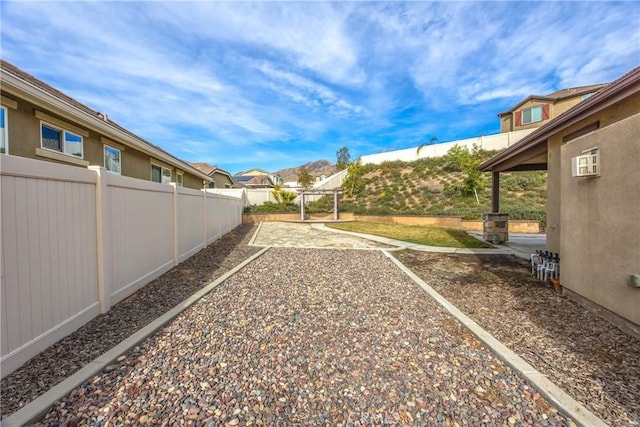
(175, 222)
(335, 205)
(495, 191)
(302, 206)
(103, 279)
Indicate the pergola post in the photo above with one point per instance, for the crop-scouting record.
(302, 206)
(335, 205)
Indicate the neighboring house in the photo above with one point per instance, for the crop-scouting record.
(536, 110)
(220, 178)
(257, 178)
(592, 154)
(40, 122)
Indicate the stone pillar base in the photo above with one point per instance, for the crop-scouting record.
(495, 227)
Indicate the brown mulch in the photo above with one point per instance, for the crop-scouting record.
(588, 357)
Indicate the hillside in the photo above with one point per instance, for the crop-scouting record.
(431, 186)
(316, 168)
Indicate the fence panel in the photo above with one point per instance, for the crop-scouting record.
(190, 210)
(214, 225)
(49, 260)
(77, 241)
(140, 238)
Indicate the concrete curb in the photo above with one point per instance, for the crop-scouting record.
(255, 235)
(38, 407)
(558, 397)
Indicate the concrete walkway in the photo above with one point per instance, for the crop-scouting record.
(318, 235)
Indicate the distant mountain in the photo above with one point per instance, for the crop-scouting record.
(316, 168)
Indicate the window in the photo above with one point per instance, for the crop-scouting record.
(112, 160)
(160, 174)
(61, 140)
(532, 115)
(4, 139)
(227, 186)
(179, 179)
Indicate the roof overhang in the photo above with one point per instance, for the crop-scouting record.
(16, 86)
(528, 150)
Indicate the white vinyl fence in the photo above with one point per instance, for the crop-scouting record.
(489, 142)
(77, 241)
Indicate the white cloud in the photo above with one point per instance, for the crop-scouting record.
(262, 81)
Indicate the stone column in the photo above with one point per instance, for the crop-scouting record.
(495, 227)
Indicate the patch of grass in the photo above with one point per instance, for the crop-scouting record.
(431, 236)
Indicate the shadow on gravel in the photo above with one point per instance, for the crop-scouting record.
(587, 356)
(102, 333)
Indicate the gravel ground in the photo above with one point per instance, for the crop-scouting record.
(105, 331)
(586, 356)
(309, 337)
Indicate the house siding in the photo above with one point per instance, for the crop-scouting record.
(593, 222)
(508, 122)
(24, 141)
(221, 180)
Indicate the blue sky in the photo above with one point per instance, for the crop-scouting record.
(278, 84)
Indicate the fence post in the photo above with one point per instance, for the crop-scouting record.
(204, 218)
(175, 222)
(219, 219)
(104, 294)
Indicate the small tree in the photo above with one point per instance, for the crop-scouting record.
(354, 183)
(460, 159)
(432, 141)
(305, 179)
(342, 158)
(283, 197)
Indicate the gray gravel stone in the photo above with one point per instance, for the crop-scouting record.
(310, 337)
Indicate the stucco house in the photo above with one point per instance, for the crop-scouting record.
(536, 110)
(40, 122)
(592, 155)
(220, 178)
(257, 178)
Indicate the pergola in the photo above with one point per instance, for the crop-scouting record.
(336, 192)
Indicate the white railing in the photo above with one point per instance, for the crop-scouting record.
(77, 241)
(489, 142)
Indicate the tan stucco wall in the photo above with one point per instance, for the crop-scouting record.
(506, 123)
(191, 181)
(221, 180)
(600, 236)
(24, 140)
(561, 106)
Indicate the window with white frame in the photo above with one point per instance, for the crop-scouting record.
(61, 140)
(160, 174)
(4, 137)
(112, 159)
(179, 179)
(532, 115)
